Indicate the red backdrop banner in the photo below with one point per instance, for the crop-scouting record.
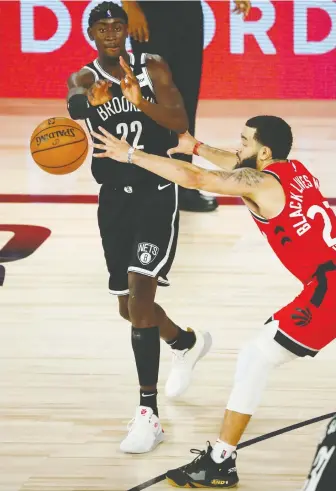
(285, 50)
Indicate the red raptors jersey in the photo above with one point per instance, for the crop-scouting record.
(303, 235)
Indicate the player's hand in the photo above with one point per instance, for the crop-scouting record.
(99, 92)
(242, 7)
(129, 84)
(114, 148)
(185, 145)
(137, 22)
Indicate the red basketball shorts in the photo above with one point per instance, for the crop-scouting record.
(308, 323)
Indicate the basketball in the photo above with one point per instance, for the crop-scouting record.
(59, 145)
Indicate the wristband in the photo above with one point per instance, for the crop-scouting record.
(130, 155)
(78, 106)
(196, 147)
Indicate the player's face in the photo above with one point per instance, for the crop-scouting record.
(109, 36)
(248, 152)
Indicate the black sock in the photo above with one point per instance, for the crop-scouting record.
(148, 398)
(146, 348)
(183, 340)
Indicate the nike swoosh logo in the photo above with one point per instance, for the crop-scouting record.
(162, 187)
(147, 395)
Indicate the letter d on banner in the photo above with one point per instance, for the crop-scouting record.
(301, 44)
(28, 42)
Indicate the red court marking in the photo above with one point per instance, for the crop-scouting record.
(89, 199)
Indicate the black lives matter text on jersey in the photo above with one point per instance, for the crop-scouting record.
(301, 225)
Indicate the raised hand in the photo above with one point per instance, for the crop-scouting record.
(129, 84)
(114, 148)
(185, 145)
(99, 92)
(137, 22)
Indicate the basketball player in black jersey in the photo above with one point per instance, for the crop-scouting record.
(138, 211)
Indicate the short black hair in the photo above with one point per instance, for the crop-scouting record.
(273, 132)
(107, 10)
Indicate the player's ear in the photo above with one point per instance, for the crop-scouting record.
(265, 153)
(89, 31)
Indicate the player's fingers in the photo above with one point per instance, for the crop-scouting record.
(109, 137)
(125, 66)
(133, 33)
(171, 151)
(247, 11)
(100, 155)
(146, 32)
(99, 137)
(141, 34)
(98, 145)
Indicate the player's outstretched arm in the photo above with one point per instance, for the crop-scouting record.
(244, 182)
(225, 159)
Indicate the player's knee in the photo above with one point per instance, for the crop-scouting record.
(141, 300)
(270, 349)
(256, 361)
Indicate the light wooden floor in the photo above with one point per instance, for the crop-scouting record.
(68, 384)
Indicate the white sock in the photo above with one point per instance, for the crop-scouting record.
(221, 451)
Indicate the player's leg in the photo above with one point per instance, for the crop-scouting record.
(281, 341)
(182, 24)
(255, 363)
(159, 230)
(169, 332)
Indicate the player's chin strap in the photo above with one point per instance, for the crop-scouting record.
(130, 155)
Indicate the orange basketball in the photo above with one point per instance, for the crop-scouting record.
(59, 145)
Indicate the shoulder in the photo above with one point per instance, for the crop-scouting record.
(84, 77)
(158, 67)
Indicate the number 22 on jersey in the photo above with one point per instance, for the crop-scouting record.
(134, 128)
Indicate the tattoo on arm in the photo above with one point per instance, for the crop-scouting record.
(247, 176)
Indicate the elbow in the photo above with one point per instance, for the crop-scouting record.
(181, 124)
(191, 181)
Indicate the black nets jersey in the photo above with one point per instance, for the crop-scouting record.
(121, 118)
(322, 476)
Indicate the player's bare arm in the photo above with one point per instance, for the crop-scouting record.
(188, 145)
(80, 82)
(169, 111)
(137, 22)
(262, 191)
(83, 85)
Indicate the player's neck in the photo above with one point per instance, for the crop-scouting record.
(112, 65)
(268, 163)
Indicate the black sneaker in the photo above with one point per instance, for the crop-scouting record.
(193, 200)
(203, 472)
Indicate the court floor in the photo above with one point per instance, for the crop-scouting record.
(68, 384)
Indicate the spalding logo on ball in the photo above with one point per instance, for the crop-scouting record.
(59, 145)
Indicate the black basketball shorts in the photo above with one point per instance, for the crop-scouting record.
(139, 230)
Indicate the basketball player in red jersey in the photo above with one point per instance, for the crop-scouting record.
(286, 204)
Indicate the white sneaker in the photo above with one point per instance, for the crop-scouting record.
(144, 432)
(184, 362)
